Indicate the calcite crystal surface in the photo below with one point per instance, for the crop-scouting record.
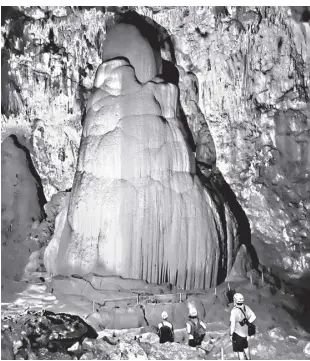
(137, 207)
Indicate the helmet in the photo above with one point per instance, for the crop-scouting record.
(164, 315)
(193, 312)
(238, 299)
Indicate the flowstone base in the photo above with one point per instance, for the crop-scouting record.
(116, 303)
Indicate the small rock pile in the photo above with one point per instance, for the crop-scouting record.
(46, 335)
(37, 334)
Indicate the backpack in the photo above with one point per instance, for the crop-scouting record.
(197, 331)
(165, 333)
(251, 326)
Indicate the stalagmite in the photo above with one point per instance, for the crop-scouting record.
(137, 208)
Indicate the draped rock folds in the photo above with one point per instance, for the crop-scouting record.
(137, 208)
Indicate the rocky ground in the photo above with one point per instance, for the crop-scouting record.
(29, 329)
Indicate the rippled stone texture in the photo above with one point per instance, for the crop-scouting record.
(137, 208)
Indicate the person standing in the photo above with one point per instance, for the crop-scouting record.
(195, 328)
(240, 316)
(165, 329)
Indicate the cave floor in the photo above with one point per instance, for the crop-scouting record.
(279, 334)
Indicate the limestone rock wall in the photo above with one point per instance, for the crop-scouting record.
(22, 203)
(49, 61)
(244, 88)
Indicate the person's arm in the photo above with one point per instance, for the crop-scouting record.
(188, 329)
(252, 316)
(159, 327)
(203, 325)
(232, 323)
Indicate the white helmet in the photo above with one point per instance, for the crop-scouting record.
(164, 315)
(238, 299)
(193, 312)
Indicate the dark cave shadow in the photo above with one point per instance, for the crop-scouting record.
(41, 196)
(171, 75)
(216, 183)
(131, 17)
(156, 34)
(239, 213)
(300, 288)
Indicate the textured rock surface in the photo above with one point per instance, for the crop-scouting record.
(136, 198)
(307, 349)
(22, 203)
(46, 84)
(272, 307)
(27, 220)
(56, 331)
(244, 81)
(39, 333)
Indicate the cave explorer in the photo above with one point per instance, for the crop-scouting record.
(165, 329)
(195, 328)
(240, 317)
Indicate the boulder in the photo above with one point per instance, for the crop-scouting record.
(293, 339)
(277, 334)
(132, 351)
(149, 337)
(56, 331)
(307, 349)
(75, 349)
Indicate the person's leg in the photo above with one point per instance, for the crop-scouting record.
(191, 343)
(241, 355)
(246, 350)
(235, 344)
(247, 353)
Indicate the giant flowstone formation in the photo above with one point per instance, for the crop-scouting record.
(137, 207)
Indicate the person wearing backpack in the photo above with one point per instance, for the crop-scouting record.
(165, 329)
(195, 328)
(241, 327)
